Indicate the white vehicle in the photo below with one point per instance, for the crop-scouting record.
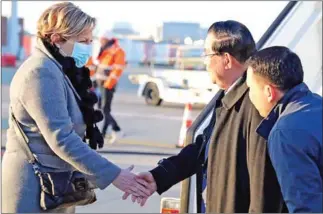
(188, 81)
(299, 27)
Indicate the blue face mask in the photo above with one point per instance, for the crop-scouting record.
(81, 54)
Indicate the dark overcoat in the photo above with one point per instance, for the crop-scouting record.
(240, 176)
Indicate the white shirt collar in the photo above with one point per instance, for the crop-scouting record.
(230, 88)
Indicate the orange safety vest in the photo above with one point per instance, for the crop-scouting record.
(90, 65)
(112, 59)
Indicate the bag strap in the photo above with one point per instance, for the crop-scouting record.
(24, 145)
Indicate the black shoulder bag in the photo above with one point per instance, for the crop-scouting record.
(57, 189)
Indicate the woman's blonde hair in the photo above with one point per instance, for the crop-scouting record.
(64, 19)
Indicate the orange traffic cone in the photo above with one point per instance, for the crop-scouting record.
(187, 122)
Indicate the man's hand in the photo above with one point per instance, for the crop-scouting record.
(147, 180)
(127, 182)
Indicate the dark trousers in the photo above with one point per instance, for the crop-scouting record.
(105, 105)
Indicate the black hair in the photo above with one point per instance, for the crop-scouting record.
(234, 38)
(279, 65)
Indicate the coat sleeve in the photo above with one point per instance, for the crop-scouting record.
(294, 154)
(174, 169)
(43, 96)
(179, 167)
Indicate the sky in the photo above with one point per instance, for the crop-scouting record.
(145, 16)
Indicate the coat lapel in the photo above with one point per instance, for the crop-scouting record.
(219, 177)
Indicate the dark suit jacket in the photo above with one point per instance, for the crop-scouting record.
(240, 175)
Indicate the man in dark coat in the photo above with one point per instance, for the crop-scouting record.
(292, 125)
(237, 175)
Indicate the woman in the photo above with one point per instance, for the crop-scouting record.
(50, 99)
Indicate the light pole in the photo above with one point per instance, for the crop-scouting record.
(14, 29)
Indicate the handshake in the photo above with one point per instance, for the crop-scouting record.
(140, 186)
